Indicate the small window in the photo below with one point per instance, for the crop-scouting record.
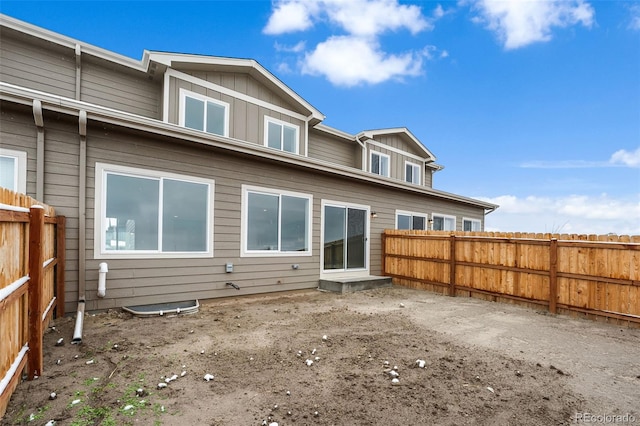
(151, 214)
(275, 222)
(202, 113)
(13, 170)
(379, 164)
(412, 221)
(412, 173)
(443, 222)
(471, 225)
(280, 135)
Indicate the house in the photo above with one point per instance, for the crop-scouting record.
(185, 172)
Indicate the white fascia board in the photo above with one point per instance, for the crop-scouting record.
(73, 107)
(71, 43)
(396, 130)
(168, 59)
(335, 132)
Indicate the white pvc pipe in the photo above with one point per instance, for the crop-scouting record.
(102, 279)
(77, 332)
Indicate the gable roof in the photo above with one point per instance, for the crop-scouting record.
(182, 61)
(404, 133)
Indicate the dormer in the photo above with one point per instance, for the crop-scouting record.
(234, 98)
(397, 154)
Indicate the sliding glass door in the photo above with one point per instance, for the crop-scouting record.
(344, 238)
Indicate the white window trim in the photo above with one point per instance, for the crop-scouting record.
(244, 252)
(345, 273)
(416, 167)
(295, 127)
(101, 169)
(446, 216)
(478, 221)
(408, 213)
(20, 175)
(184, 93)
(388, 157)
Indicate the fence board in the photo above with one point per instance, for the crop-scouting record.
(587, 274)
(28, 286)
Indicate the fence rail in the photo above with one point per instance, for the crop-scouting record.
(596, 276)
(32, 255)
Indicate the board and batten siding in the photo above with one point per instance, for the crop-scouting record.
(332, 149)
(46, 67)
(118, 87)
(242, 83)
(246, 119)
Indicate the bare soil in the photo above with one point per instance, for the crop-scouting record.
(485, 364)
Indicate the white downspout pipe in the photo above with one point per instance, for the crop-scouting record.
(102, 279)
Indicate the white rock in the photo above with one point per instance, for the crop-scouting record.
(184, 373)
(313, 352)
(89, 362)
(394, 373)
(50, 423)
(161, 313)
(162, 385)
(53, 396)
(420, 363)
(490, 389)
(76, 401)
(309, 363)
(128, 407)
(402, 305)
(273, 424)
(395, 381)
(208, 377)
(317, 358)
(288, 393)
(325, 339)
(386, 363)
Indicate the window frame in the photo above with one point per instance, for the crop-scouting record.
(99, 249)
(416, 171)
(184, 93)
(444, 216)
(381, 155)
(244, 234)
(412, 215)
(20, 171)
(283, 124)
(468, 219)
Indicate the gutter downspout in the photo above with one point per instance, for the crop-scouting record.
(82, 227)
(39, 120)
(364, 151)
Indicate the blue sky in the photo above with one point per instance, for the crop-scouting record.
(533, 105)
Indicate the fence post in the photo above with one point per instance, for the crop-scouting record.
(553, 275)
(36, 275)
(452, 265)
(383, 242)
(61, 247)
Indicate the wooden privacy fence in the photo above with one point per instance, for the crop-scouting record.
(598, 276)
(32, 248)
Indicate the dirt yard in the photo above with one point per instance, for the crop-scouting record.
(313, 358)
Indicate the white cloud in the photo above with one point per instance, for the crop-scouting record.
(579, 214)
(634, 10)
(348, 61)
(296, 48)
(354, 57)
(620, 158)
(519, 23)
(626, 158)
(290, 16)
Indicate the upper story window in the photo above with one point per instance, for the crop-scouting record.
(275, 222)
(13, 170)
(472, 225)
(379, 163)
(144, 213)
(202, 113)
(412, 173)
(409, 220)
(281, 135)
(442, 222)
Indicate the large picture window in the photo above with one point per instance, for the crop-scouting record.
(146, 213)
(379, 164)
(443, 222)
(409, 220)
(275, 222)
(280, 135)
(13, 170)
(202, 113)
